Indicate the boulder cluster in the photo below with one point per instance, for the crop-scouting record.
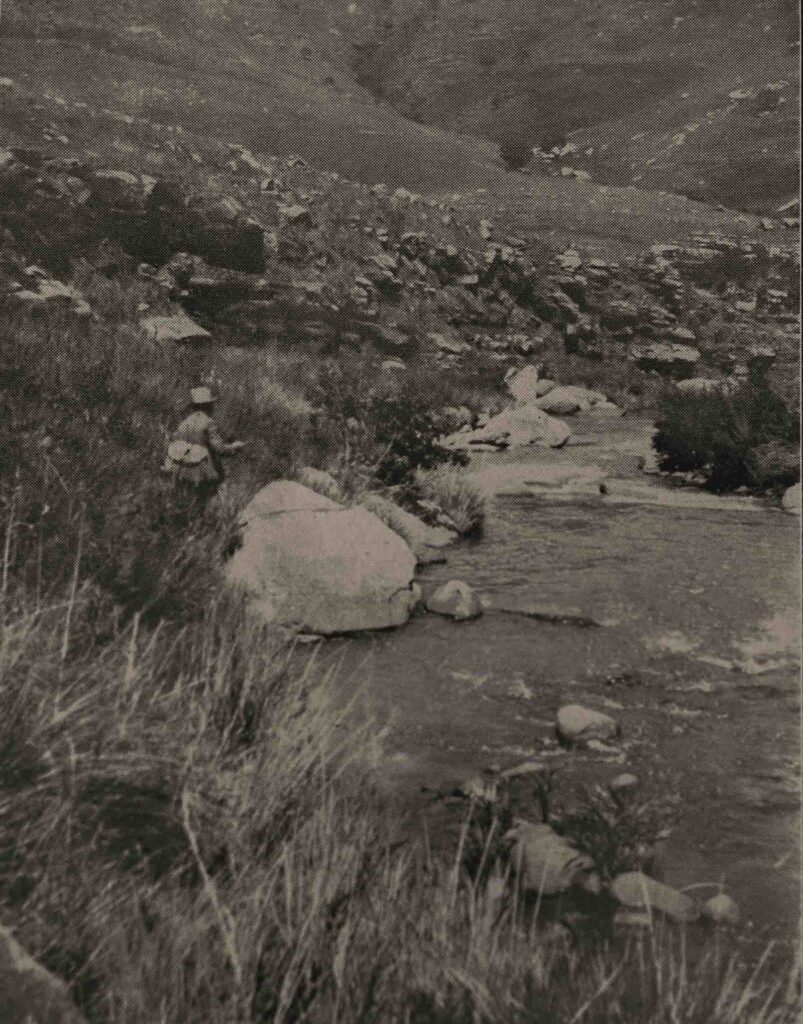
(287, 253)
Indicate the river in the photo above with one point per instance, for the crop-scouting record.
(696, 656)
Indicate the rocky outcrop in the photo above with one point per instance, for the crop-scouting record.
(310, 564)
(701, 386)
(45, 291)
(29, 993)
(672, 360)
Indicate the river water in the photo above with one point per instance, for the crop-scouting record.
(696, 656)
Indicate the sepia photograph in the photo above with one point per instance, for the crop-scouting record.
(400, 512)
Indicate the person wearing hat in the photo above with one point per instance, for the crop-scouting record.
(194, 455)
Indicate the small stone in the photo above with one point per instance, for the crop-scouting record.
(638, 891)
(296, 214)
(721, 909)
(632, 918)
(520, 770)
(591, 883)
(577, 724)
(479, 788)
(178, 327)
(546, 862)
(456, 600)
(623, 784)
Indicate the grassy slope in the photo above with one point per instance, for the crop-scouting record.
(270, 86)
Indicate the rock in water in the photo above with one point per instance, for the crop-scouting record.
(623, 784)
(515, 428)
(426, 542)
(523, 386)
(310, 564)
(29, 993)
(637, 891)
(577, 724)
(456, 600)
(791, 500)
(546, 862)
(563, 401)
(721, 909)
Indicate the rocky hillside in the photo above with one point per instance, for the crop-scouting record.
(258, 250)
(159, 172)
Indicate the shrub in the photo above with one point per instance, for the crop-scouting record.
(379, 431)
(516, 153)
(747, 438)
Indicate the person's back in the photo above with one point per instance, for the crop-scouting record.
(194, 453)
(195, 428)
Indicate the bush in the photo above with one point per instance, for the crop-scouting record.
(379, 431)
(748, 438)
(516, 153)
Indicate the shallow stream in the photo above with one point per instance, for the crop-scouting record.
(696, 656)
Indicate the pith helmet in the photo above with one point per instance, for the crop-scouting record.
(202, 396)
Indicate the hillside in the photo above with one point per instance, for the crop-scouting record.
(280, 78)
(694, 97)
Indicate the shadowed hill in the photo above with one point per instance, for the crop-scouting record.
(692, 96)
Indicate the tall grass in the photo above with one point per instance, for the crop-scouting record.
(188, 834)
(458, 497)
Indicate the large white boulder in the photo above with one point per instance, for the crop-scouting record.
(515, 428)
(308, 563)
(523, 384)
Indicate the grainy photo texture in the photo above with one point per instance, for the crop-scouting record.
(399, 510)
